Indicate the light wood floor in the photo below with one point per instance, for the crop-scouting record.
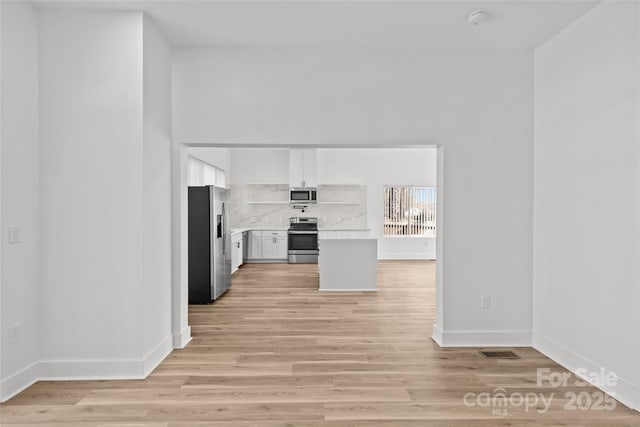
(276, 352)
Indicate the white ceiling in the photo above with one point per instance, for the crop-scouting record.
(512, 24)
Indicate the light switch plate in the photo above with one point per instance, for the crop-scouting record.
(14, 333)
(14, 234)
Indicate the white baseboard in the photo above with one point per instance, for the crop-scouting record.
(407, 255)
(348, 290)
(157, 355)
(624, 391)
(481, 338)
(86, 369)
(437, 335)
(19, 381)
(183, 338)
(91, 369)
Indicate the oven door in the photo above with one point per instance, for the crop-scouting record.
(303, 247)
(305, 241)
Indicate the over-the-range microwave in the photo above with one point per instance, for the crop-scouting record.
(303, 195)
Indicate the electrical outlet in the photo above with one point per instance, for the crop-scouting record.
(14, 234)
(485, 303)
(14, 333)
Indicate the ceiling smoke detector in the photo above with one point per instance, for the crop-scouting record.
(476, 17)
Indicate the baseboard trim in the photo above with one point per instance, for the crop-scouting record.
(436, 335)
(625, 392)
(407, 255)
(266, 261)
(157, 355)
(86, 369)
(19, 381)
(183, 338)
(91, 369)
(481, 338)
(348, 290)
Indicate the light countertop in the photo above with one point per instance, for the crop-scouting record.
(259, 228)
(242, 230)
(343, 237)
(343, 229)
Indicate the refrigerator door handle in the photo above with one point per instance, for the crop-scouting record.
(224, 225)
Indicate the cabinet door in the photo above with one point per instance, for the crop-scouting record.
(236, 255)
(268, 246)
(256, 245)
(240, 251)
(296, 168)
(310, 171)
(281, 247)
(303, 167)
(234, 258)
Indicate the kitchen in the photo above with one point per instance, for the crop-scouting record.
(315, 205)
(101, 102)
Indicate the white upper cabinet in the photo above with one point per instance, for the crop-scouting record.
(201, 173)
(303, 167)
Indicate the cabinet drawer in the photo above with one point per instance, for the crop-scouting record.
(274, 233)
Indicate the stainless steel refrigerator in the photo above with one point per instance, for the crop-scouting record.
(209, 244)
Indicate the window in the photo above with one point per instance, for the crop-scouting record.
(409, 211)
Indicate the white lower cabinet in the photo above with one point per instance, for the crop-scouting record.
(281, 247)
(255, 251)
(268, 245)
(236, 252)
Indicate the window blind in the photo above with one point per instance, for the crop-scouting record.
(409, 211)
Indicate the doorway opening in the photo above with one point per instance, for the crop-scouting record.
(261, 164)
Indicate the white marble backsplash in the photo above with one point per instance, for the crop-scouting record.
(267, 205)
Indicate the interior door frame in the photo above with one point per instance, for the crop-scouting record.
(181, 329)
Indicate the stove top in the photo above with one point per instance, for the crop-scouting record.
(303, 223)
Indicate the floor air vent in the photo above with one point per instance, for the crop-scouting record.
(500, 355)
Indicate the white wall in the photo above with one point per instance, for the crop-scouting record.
(586, 195)
(478, 105)
(86, 117)
(376, 168)
(179, 254)
(20, 302)
(156, 189)
(256, 165)
(91, 154)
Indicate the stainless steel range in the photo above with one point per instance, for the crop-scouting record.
(303, 240)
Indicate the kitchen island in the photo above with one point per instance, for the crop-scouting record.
(348, 263)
